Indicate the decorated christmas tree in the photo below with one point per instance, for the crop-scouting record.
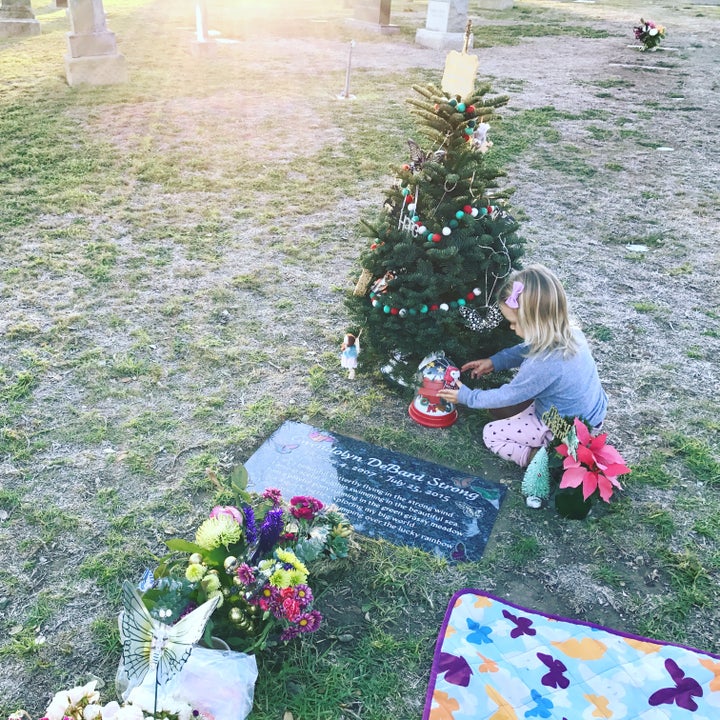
(443, 243)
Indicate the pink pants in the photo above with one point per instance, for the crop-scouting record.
(514, 437)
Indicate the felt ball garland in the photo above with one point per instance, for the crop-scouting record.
(377, 302)
(433, 235)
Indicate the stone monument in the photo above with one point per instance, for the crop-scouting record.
(92, 57)
(373, 15)
(494, 4)
(203, 44)
(17, 19)
(444, 25)
(383, 493)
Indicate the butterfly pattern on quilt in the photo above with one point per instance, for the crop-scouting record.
(497, 661)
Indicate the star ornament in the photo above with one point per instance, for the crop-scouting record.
(595, 465)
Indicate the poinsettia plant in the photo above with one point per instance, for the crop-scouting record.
(589, 462)
(649, 34)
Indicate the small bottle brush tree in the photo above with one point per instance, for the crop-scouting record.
(442, 244)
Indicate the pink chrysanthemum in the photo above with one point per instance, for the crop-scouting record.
(272, 494)
(245, 574)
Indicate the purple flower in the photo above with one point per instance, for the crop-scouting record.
(245, 574)
(309, 622)
(289, 633)
(269, 532)
(303, 594)
(250, 526)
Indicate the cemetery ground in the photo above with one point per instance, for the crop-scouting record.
(174, 255)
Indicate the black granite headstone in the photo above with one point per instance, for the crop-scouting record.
(383, 493)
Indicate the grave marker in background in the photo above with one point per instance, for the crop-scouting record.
(17, 19)
(92, 56)
(444, 25)
(373, 15)
(384, 494)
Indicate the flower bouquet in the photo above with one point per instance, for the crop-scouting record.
(255, 556)
(83, 703)
(649, 34)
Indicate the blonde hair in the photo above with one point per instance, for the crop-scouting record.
(542, 311)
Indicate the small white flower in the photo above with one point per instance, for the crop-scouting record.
(91, 712)
(653, 31)
(110, 710)
(76, 695)
(57, 707)
(129, 712)
(320, 533)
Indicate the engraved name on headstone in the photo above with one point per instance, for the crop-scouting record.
(384, 494)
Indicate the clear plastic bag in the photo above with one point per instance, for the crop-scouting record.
(218, 682)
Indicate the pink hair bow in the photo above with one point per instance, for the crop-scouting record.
(517, 288)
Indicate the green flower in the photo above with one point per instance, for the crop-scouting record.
(210, 584)
(194, 572)
(297, 577)
(220, 530)
(280, 579)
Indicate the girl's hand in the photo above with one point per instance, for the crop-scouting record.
(479, 367)
(450, 395)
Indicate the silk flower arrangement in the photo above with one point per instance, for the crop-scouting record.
(649, 34)
(254, 558)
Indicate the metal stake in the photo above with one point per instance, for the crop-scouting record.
(201, 21)
(345, 94)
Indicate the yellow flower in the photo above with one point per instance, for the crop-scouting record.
(289, 557)
(194, 572)
(286, 556)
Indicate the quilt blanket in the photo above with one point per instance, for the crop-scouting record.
(498, 661)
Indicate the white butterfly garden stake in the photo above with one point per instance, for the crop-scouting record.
(150, 645)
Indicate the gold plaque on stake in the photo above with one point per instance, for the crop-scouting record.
(460, 69)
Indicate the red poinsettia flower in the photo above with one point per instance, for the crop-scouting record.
(596, 466)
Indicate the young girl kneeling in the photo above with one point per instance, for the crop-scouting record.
(555, 368)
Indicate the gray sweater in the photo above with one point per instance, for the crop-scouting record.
(570, 384)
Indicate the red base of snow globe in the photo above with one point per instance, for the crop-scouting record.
(434, 418)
